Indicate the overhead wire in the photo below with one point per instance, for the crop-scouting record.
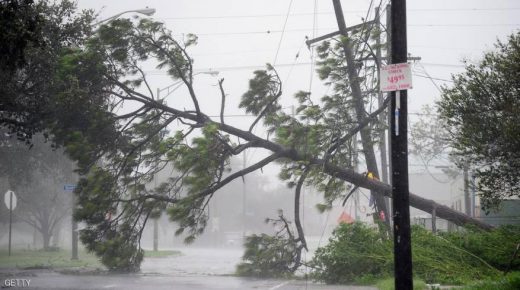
(429, 77)
(283, 32)
(331, 12)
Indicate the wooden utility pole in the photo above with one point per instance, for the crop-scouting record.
(467, 199)
(380, 100)
(75, 239)
(399, 145)
(359, 106)
(156, 234)
(383, 119)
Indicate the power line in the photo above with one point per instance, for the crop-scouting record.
(490, 25)
(330, 13)
(283, 32)
(432, 78)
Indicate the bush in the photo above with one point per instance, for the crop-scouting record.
(357, 251)
(268, 256)
(496, 247)
(508, 282)
(438, 260)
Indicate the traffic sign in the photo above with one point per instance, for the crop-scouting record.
(69, 187)
(396, 77)
(10, 200)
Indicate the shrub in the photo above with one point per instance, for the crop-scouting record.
(508, 282)
(496, 247)
(268, 256)
(438, 260)
(357, 251)
(354, 251)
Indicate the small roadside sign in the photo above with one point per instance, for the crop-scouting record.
(10, 200)
(69, 187)
(396, 77)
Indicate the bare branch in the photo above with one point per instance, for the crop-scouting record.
(297, 194)
(223, 103)
(240, 173)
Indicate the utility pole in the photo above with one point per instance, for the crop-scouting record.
(382, 136)
(155, 234)
(74, 236)
(399, 145)
(467, 200)
(359, 106)
(382, 117)
(244, 196)
(74, 226)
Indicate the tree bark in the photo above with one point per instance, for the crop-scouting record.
(46, 236)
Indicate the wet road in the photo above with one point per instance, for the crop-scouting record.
(195, 269)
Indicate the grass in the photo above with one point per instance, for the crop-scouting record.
(160, 254)
(388, 284)
(510, 281)
(43, 259)
(40, 259)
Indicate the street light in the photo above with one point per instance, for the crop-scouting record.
(171, 88)
(146, 11)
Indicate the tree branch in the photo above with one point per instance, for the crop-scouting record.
(297, 194)
(223, 102)
(268, 106)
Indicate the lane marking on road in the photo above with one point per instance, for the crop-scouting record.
(279, 286)
(110, 286)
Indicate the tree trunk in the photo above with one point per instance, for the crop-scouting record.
(46, 236)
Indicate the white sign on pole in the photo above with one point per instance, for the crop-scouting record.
(7, 199)
(396, 77)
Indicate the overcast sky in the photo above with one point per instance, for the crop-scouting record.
(238, 36)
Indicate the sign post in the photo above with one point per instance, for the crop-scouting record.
(74, 239)
(10, 202)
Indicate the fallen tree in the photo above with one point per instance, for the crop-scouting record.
(115, 200)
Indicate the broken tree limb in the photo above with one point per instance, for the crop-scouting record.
(345, 174)
(416, 201)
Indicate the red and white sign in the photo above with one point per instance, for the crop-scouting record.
(396, 77)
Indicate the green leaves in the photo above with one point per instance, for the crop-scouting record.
(264, 89)
(357, 252)
(267, 256)
(481, 110)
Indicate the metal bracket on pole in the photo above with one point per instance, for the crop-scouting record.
(332, 34)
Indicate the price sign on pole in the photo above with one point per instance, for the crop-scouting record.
(396, 77)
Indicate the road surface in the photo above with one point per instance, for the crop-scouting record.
(194, 269)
